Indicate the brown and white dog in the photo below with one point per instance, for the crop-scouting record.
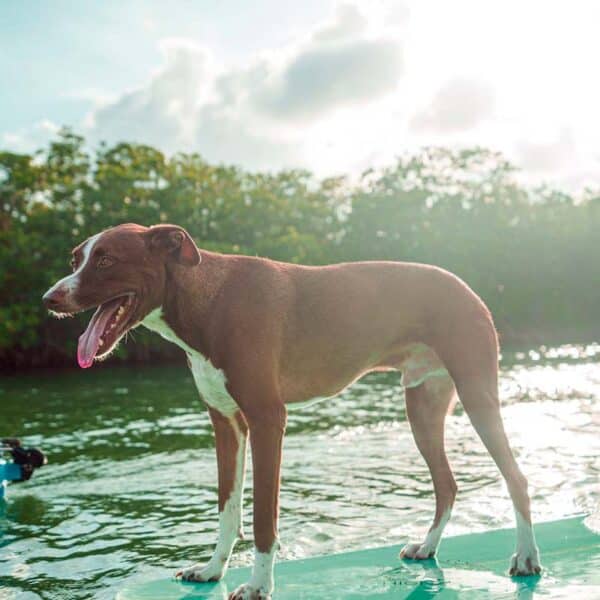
(261, 334)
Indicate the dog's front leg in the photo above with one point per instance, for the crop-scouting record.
(266, 438)
(231, 434)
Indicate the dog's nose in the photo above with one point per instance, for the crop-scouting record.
(53, 298)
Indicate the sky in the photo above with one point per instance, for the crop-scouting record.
(333, 86)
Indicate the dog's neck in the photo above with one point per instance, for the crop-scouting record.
(191, 297)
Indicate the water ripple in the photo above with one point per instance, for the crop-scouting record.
(131, 485)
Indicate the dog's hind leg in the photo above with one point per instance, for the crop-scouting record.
(472, 361)
(231, 434)
(426, 406)
(482, 406)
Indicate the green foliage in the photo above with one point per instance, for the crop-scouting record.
(531, 254)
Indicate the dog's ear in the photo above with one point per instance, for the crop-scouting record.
(175, 242)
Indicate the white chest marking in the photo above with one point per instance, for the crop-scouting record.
(209, 381)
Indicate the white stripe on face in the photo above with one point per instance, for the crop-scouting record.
(70, 283)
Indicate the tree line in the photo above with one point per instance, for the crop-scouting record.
(531, 253)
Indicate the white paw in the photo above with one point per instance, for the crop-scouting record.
(212, 571)
(246, 592)
(418, 551)
(525, 563)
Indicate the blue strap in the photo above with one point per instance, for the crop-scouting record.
(10, 472)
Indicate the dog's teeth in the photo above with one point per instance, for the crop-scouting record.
(101, 343)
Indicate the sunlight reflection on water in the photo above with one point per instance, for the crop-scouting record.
(131, 484)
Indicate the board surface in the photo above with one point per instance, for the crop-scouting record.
(468, 566)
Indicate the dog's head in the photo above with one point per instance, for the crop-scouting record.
(123, 272)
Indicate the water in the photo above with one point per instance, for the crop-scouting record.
(130, 490)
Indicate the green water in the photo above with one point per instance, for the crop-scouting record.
(130, 490)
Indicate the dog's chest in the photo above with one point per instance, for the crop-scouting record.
(209, 381)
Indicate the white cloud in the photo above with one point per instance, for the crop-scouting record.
(558, 158)
(368, 82)
(396, 13)
(460, 104)
(546, 156)
(30, 139)
(161, 112)
(322, 78)
(347, 22)
(255, 113)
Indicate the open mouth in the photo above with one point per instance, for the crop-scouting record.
(108, 324)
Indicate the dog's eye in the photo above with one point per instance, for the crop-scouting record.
(105, 261)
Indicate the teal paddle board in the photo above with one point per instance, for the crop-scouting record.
(468, 566)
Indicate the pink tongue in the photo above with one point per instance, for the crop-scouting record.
(89, 340)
